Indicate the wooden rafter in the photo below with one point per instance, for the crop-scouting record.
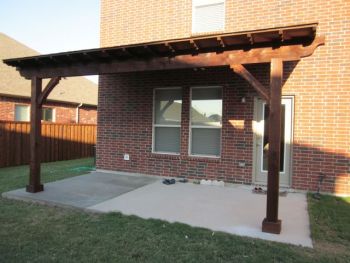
(150, 50)
(221, 42)
(250, 37)
(194, 45)
(49, 87)
(170, 47)
(126, 52)
(244, 73)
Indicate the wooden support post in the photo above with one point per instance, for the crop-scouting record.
(35, 134)
(271, 223)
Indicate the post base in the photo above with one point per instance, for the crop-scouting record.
(34, 188)
(271, 227)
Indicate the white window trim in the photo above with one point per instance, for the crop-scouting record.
(197, 3)
(201, 126)
(163, 125)
(53, 113)
(19, 104)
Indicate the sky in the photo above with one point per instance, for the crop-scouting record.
(50, 26)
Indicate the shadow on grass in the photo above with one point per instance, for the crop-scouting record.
(12, 178)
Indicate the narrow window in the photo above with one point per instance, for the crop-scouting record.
(167, 120)
(21, 113)
(208, 16)
(206, 121)
(48, 114)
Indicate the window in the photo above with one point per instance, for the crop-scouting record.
(167, 120)
(206, 121)
(48, 114)
(21, 113)
(208, 16)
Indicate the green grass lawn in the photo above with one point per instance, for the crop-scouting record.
(36, 233)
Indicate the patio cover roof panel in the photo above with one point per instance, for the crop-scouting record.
(172, 48)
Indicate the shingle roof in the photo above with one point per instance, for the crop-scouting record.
(72, 90)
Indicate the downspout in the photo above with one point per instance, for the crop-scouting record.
(77, 113)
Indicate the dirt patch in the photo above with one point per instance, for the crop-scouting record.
(331, 248)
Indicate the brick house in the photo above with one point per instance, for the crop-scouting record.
(140, 117)
(215, 89)
(73, 101)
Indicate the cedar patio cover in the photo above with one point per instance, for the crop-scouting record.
(272, 46)
(288, 43)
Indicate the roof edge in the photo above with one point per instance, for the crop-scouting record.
(48, 100)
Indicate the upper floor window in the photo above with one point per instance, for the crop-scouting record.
(48, 114)
(21, 113)
(208, 16)
(167, 120)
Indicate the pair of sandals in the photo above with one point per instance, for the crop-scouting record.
(169, 181)
(173, 181)
(259, 190)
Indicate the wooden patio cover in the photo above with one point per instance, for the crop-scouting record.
(273, 46)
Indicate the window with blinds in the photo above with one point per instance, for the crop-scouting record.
(206, 121)
(208, 16)
(21, 113)
(167, 120)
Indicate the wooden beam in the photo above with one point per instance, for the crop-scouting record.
(244, 73)
(271, 223)
(35, 134)
(226, 58)
(49, 87)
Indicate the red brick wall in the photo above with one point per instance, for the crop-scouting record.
(87, 115)
(7, 111)
(65, 113)
(320, 85)
(130, 130)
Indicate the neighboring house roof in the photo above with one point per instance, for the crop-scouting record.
(72, 90)
(172, 113)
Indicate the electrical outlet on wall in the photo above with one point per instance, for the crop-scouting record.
(241, 164)
(126, 157)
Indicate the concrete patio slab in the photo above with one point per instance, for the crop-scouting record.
(233, 209)
(83, 191)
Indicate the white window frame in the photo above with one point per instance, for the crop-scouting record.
(197, 3)
(154, 126)
(201, 126)
(19, 104)
(53, 114)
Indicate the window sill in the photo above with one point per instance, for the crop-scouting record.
(214, 159)
(171, 156)
(198, 34)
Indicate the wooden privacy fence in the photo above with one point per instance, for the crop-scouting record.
(60, 141)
